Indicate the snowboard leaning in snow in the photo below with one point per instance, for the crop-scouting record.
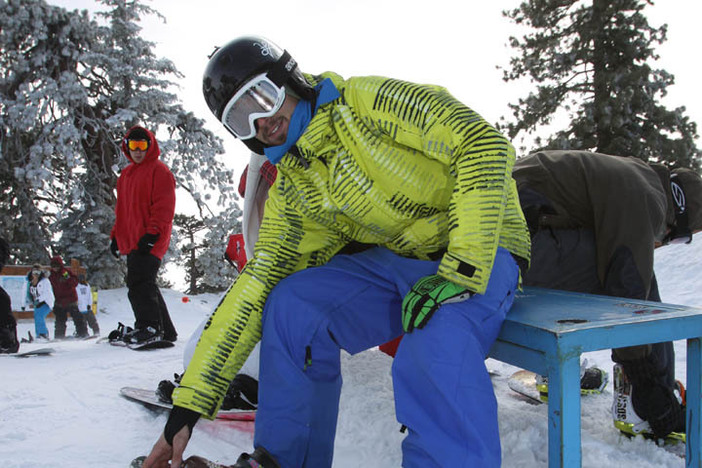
(524, 383)
(534, 387)
(34, 352)
(149, 398)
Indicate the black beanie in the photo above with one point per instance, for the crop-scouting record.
(692, 183)
(138, 133)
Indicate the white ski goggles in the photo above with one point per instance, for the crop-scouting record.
(260, 97)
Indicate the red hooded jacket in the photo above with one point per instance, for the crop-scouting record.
(63, 282)
(145, 200)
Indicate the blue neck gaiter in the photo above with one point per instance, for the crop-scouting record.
(300, 119)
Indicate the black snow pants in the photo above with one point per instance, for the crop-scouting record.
(566, 259)
(147, 302)
(61, 313)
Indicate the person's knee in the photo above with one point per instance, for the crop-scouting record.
(631, 353)
(285, 300)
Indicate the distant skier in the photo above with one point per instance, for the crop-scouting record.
(64, 284)
(142, 231)
(85, 303)
(41, 295)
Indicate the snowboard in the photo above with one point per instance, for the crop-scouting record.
(34, 352)
(531, 386)
(149, 398)
(191, 462)
(161, 344)
(138, 462)
(524, 383)
(74, 338)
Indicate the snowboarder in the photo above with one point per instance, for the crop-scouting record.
(8, 324)
(85, 303)
(595, 220)
(41, 295)
(142, 231)
(426, 182)
(64, 284)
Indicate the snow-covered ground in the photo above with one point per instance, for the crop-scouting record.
(65, 410)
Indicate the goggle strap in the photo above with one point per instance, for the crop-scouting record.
(282, 69)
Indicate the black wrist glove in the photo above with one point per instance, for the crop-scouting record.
(178, 419)
(113, 248)
(146, 243)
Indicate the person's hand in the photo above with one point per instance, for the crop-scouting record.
(425, 297)
(113, 248)
(162, 452)
(173, 440)
(146, 243)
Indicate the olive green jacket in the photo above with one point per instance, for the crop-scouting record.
(623, 200)
(390, 163)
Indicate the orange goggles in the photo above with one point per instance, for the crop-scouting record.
(140, 145)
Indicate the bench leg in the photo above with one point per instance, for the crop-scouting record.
(693, 449)
(564, 412)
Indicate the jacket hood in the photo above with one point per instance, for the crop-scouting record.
(152, 153)
(56, 260)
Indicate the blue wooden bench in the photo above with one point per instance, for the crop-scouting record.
(546, 331)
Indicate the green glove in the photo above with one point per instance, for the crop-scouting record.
(426, 296)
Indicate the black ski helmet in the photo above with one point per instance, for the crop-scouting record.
(234, 64)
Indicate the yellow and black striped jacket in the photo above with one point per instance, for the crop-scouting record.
(391, 163)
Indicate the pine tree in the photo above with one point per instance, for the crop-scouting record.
(592, 61)
(189, 226)
(203, 255)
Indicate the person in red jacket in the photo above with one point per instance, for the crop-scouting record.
(142, 232)
(64, 282)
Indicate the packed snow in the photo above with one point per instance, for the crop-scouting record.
(65, 410)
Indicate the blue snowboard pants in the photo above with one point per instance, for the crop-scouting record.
(443, 392)
(40, 314)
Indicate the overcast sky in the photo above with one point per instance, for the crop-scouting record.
(457, 44)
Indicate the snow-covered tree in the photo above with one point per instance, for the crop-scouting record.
(206, 269)
(70, 88)
(39, 47)
(592, 62)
